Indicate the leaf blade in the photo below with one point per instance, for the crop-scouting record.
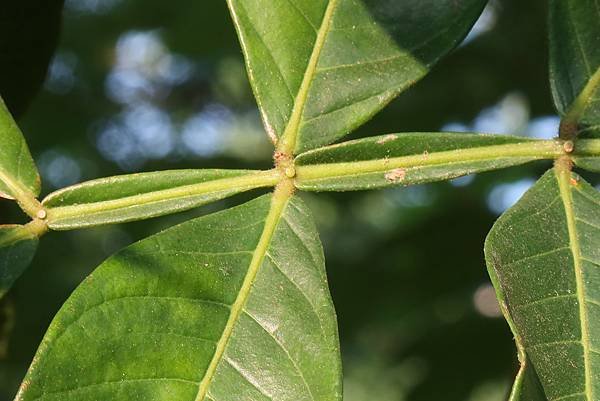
(18, 174)
(413, 158)
(575, 61)
(17, 248)
(548, 275)
(166, 301)
(301, 54)
(138, 196)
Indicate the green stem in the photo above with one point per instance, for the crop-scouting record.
(34, 229)
(289, 139)
(587, 147)
(25, 198)
(548, 149)
(259, 179)
(572, 119)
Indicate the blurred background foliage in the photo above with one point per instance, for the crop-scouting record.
(143, 85)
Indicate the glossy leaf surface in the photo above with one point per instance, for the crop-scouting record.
(575, 59)
(544, 252)
(231, 306)
(18, 173)
(411, 158)
(16, 252)
(138, 196)
(320, 68)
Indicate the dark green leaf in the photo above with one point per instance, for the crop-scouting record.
(17, 249)
(18, 174)
(575, 60)
(231, 306)
(139, 196)
(544, 253)
(412, 158)
(320, 68)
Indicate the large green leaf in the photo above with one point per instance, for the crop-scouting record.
(139, 196)
(18, 174)
(232, 306)
(575, 60)
(545, 256)
(320, 68)
(413, 158)
(17, 248)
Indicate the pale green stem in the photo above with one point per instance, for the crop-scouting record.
(587, 147)
(580, 104)
(259, 179)
(549, 149)
(290, 136)
(25, 198)
(34, 229)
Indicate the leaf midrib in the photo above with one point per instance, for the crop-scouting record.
(279, 201)
(581, 102)
(289, 139)
(563, 176)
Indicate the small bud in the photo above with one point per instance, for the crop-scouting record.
(41, 214)
(569, 146)
(290, 172)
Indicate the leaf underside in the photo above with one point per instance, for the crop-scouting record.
(403, 159)
(575, 60)
(15, 257)
(118, 199)
(17, 169)
(171, 318)
(302, 54)
(545, 256)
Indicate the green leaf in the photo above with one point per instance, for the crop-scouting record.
(575, 60)
(17, 248)
(320, 68)
(231, 306)
(544, 254)
(18, 175)
(413, 158)
(139, 196)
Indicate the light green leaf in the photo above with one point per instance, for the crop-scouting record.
(544, 252)
(320, 68)
(229, 307)
(17, 248)
(575, 60)
(139, 196)
(413, 158)
(18, 175)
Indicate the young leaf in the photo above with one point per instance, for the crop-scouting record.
(231, 306)
(17, 248)
(544, 253)
(18, 175)
(139, 196)
(320, 68)
(413, 158)
(575, 60)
